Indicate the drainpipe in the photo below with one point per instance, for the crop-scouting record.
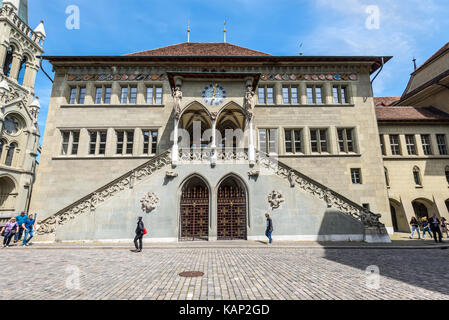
(381, 68)
(42, 68)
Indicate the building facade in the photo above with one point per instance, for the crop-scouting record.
(414, 131)
(20, 48)
(296, 137)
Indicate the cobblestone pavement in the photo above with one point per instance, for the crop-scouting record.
(230, 273)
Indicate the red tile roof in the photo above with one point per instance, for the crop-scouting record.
(401, 113)
(201, 49)
(385, 101)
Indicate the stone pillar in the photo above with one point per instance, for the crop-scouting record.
(90, 93)
(15, 67)
(403, 145)
(251, 149)
(302, 93)
(30, 75)
(141, 93)
(214, 142)
(116, 92)
(278, 99)
(327, 92)
(3, 52)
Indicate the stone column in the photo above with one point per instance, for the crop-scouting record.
(3, 52)
(30, 75)
(302, 93)
(15, 67)
(214, 142)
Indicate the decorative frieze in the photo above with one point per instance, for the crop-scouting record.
(308, 77)
(117, 77)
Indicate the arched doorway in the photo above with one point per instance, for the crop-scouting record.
(231, 210)
(194, 215)
(7, 194)
(398, 217)
(393, 218)
(421, 209)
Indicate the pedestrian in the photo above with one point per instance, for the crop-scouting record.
(9, 229)
(21, 218)
(269, 229)
(444, 227)
(140, 231)
(425, 228)
(29, 226)
(435, 225)
(415, 227)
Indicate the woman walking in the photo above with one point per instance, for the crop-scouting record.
(425, 228)
(415, 227)
(140, 231)
(444, 227)
(9, 230)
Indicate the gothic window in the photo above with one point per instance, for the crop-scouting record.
(293, 143)
(10, 154)
(11, 125)
(346, 140)
(427, 148)
(314, 94)
(417, 176)
(356, 176)
(72, 99)
(411, 145)
(318, 140)
(150, 141)
(107, 95)
(340, 94)
(268, 140)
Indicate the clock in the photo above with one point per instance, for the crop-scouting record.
(214, 94)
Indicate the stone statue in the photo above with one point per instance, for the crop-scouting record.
(250, 101)
(275, 199)
(177, 97)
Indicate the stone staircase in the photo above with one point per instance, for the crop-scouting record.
(374, 230)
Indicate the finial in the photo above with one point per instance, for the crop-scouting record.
(224, 31)
(414, 63)
(300, 52)
(188, 31)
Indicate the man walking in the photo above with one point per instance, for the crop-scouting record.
(20, 219)
(435, 227)
(140, 231)
(269, 230)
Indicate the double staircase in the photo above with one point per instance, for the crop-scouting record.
(371, 221)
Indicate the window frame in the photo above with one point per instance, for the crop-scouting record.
(313, 88)
(71, 144)
(289, 93)
(319, 140)
(426, 145)
(354, 172)
(411, 145)
(268, 140)
(99, 144)
(152, 143)
(294, 132)
(265, 88)
(155, 90)
(394, 145)
(442, 147)
(126, 142)
(342, 94)
(346, 141)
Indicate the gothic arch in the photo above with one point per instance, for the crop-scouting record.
(8, 192)
(199, 106)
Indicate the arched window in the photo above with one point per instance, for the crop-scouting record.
(10, 154)
(2, 145)
(8, 62)
(22, 71)
(417, 176)
(387, 177)
(447, 173)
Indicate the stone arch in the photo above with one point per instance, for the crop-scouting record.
(398, 216)
(8, 192)
(195, 112)
(232, 208)
(424, 208)
(195, 208)
(231, 125)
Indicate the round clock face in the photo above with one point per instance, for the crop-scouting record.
(214, 94)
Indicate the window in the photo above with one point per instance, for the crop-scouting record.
(124, 95)
(103, 95)
(293, 141)
(154, 95)
(426, 146)
(125, 142)
(410, 143)
(72, 99)
(98, 95)
(387, 177)
(10, 154)
(268, 140)
(97, 144)
(345, 140)
(314, 95)
(133, 95)
(77, 95)
(442, 146)
(266, 95)
(22, 69)
(318, 140)
(150, 141)
(395, 145)
(70, 139)
(82, 95)
(356, 176)
(340, 94)
(382, 145)
(107, 95)
(417, 176)
(290, 95)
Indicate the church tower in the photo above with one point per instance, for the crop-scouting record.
(20, 49)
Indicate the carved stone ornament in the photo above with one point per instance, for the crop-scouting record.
(149, 202)
(171, 174)
(253, 173)
(275, 199)
(177, 99)
(250, 101)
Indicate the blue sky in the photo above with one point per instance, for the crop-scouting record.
(407, 29)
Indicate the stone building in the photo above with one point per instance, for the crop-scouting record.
(20, 48)
(414, 129)
(293, 136)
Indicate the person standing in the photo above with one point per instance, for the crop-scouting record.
(10, 228)
(21, 218)
(435, 227)
(140, 231)
(415, 227)
(444, 226)
(29, 226)
(425, 228)
(269, 229)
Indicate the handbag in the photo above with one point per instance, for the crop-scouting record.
(145, 231)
